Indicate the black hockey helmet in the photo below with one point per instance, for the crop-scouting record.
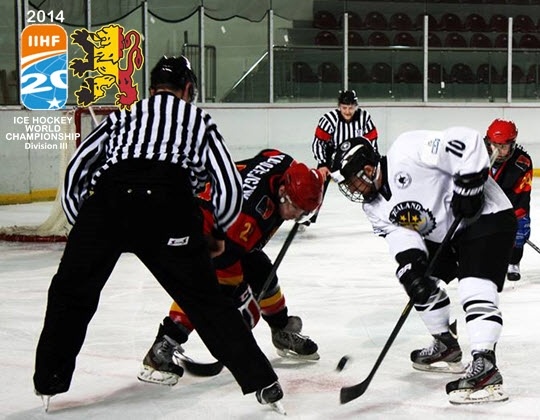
(347, 97)
(175, 73)
(352, 156)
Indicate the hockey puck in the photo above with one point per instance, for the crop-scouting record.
(342, 363)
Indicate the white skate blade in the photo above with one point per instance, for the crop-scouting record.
(491, 393)
(45, 399)
(152, 376)
(278, 407)
(289, 354)
(441, 367)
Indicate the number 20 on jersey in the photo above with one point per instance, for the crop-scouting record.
(44, 60)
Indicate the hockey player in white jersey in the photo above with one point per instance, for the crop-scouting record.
(411, 196)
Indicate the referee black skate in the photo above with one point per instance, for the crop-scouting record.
(131, 187)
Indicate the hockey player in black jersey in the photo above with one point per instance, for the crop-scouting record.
(275, 188)
(411, 197)
(513, 171)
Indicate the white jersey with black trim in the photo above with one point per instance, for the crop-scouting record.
(420, 167)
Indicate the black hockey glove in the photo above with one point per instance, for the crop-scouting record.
(412, 275)
(468, 198)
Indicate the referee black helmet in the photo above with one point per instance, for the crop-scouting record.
(347, 97)
(174, 73)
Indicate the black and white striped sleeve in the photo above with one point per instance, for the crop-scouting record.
(85, 162)
(225, 178)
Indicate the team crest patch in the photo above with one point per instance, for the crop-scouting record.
(402, 180)
(412, 215)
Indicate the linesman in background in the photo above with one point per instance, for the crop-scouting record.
(346, 121)
(131, 187)
(513, 171)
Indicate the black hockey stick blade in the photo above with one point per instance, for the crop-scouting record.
(198, 368)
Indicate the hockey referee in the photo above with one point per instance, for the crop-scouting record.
(130, 187)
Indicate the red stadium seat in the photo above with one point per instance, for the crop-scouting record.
(455, 40)
(323, 19)
(479, 40)
(400, 22)
(329, 72)
(376, 21)
(326, 38)
(408, 73)
(461, 73)
(358, 73)
(378, 39)
(404, 39)
(475, 23)
(450, 22)
(381, 73)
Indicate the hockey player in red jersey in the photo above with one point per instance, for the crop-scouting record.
(275, 188)
(411, 197)
(513, 171)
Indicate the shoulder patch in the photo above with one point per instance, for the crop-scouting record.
(523, 162)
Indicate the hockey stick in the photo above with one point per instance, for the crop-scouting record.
(350, 393)
(214, 368)
(197, 368)
(533, 246)
(278, 260)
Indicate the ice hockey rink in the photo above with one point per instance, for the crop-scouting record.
(336, 275)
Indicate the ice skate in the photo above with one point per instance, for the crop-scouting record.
(513, 273)
(158, 366)
(481, 383)
(272, 395)
(45, 399)
(290, 343)
(444, 354)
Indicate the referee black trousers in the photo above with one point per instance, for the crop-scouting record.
(152, 214)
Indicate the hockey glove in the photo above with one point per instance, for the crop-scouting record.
(412, 275)
(247, 304)
(523, 231)
(468, 198)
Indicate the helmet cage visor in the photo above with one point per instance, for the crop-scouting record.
(350, 187)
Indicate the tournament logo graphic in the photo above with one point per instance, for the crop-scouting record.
(412, 215)
(43, 75)
(111, 58)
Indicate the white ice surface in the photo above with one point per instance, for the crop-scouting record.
(337, 276)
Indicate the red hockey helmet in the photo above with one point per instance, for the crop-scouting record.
(502, 132)
(501, 135)
(304, 186)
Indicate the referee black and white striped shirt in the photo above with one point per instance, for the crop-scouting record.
(161, 128)
(333, 129)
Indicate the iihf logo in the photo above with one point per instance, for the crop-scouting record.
(44, 67)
